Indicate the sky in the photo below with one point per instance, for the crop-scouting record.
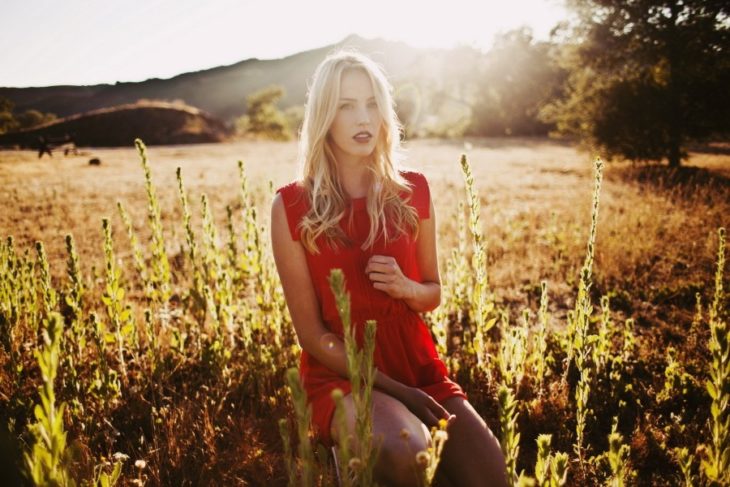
(86, 42)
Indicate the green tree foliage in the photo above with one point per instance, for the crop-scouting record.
(10, 122)
(7, 120)
(516, 78)
(647, 77)
(264, 119)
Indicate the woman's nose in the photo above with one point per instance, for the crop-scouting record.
(363, 116)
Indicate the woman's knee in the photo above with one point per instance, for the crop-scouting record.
(400, 461)
(472, 452)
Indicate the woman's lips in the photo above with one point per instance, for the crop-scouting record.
(363, 137)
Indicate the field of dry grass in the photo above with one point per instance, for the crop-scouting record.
(656, 237)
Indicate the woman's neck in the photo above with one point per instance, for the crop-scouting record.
(355, 179)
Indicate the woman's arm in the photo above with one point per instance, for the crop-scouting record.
(291, 264)
(426, 295)
(313, 337)
(387, 276)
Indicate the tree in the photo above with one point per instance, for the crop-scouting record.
(263, 117)
(517, 77)
(32, 118)
(646, 77)
(7, 120)
(10, 122)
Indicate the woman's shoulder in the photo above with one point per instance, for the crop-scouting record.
(291, 187)
(292, 193)
(420, 196)
(293, 197)
(415, 178)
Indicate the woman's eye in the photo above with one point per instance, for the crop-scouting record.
(346, 105)
(373, 105)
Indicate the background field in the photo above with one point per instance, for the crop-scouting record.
(656, 247)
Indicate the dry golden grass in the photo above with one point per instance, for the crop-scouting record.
(652, 239)
(655, 247)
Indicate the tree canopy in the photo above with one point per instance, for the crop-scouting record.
(264, 118)
(646, 77)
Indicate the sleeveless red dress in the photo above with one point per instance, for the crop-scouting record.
(404, 348)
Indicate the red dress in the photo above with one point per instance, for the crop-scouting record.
(404, 349)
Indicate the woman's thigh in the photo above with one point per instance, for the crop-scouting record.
(390, 418)
(472, 455)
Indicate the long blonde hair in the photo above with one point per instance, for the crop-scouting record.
(318, 167)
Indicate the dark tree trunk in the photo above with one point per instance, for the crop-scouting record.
(674, 152)
(674, 156)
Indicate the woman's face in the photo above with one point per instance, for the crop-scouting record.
(357, 122)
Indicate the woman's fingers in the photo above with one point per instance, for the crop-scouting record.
(375, 269)
(380, 277)
(381, 259)
(430, 419)
(439, 410)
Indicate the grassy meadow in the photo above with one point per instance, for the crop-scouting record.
(167, 340)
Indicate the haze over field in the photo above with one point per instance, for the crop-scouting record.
(81, 42)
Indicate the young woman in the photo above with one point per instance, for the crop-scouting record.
(354, 208)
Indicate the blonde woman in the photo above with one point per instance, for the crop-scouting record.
(353, 207)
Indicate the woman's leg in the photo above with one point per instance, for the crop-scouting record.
(472, 455)
(396, 465)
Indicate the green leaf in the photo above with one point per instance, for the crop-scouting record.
(125, 315)
(127, 329)
(711, 389)
(715, 410)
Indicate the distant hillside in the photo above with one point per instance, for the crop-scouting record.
(222, 91)
(153, 122)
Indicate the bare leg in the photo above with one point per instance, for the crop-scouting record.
(472, 455)
(396, 465)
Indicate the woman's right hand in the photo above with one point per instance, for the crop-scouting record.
(424, 406)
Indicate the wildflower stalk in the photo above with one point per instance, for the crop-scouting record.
(200, 304)
(559, 470)
(218, 285)
(684, 459)
(344, 446)
(160, 276)
(139, 262)
(480, 295)
(9, 307)
(542, 464)
(113, 298)
(578, 327)
(602, 348)
(153, 346)
(105, 385)
(46, 459)
(75, 296)
(540, 350)
(249, 225)
(232, 245)
(618, 456)
(551, 470)
(75, 345)
(303, 413)
(510, 440)
(361, 372)
(50, 299)
(716, 467)
(291, 471)
(582, 392)
(439, 436)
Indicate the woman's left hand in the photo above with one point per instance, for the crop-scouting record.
(386, 275)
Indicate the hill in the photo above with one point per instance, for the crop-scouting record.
(222, 91)
(155, 122)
